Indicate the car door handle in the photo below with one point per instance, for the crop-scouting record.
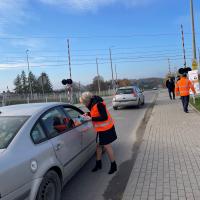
(85, 130)
(58, 147)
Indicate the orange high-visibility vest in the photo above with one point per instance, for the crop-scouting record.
(104, 125)
(183, 87)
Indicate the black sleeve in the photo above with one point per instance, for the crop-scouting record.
(167, 84)
(103, 113)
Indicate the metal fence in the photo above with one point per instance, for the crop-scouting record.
(11, 99)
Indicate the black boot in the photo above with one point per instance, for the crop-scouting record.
(97, 166)
(113, 168)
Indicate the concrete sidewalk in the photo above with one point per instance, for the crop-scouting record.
(168, 161)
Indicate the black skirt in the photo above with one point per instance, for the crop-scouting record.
(106, 137)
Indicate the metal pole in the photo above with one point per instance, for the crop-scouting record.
(79, 88)
(183, 43)
(30, 85)
(69, 58)
(70, 73)
(193, 31)
(98, 76)
(169, 66)
(112, 69)
(42, 85)
(199, 56)
(116, 80)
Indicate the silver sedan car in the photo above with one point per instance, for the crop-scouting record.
(128, 96)
(41, 147)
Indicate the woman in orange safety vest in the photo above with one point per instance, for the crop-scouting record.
(104, 126)
(183, 87)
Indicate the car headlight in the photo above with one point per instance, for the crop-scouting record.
(114, 99)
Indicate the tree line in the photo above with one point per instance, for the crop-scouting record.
(43, 84)
(23, 83)
(106, 85)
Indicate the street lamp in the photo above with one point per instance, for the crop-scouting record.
(98, 75)
(111, 64)
(29, 81)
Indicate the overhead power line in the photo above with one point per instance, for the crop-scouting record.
(49, 51)
(90, 63)
(15, 37)
(43, 60)
(101, 54)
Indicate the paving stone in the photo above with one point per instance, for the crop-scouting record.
(167, 165)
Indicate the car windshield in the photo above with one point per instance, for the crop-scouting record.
(9, 126)
(125, 91)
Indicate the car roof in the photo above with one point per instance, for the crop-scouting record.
(27, 109)
(127, 87)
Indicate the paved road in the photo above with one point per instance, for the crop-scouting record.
(101, 186)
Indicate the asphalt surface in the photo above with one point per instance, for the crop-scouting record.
(130, 124)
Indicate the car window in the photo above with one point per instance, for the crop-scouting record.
(125, 91)
(75, 115)
(137, 90)
(9, 126)
(56, 122)
(37, 134)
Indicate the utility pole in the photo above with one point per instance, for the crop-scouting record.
(70, 88)
(183, 43)
(169, 66)
(112, 69)
(98, 75)
(194, 64)
(42, 85)
(199, 56)
(29, 81)
(79, 88)
(69, 59)
(116, 79)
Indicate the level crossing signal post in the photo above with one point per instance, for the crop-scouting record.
(68, 83)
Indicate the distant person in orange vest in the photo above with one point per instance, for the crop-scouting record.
(183, 87)
(104, 126)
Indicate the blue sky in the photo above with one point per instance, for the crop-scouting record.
(141, 33)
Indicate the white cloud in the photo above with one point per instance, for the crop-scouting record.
(23, 65)
(12, 12)
(18, 11)
(92, 5)
(11, 66)
(28, 43)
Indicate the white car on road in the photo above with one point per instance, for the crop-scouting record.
(128, 96)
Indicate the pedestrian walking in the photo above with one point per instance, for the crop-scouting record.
(183, 87)
(104, 126)
(171, 87)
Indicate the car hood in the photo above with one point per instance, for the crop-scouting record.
(1, 151)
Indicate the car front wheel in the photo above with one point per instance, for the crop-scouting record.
(50, 188)
(115, 107)
(139, 103)
(143, 102)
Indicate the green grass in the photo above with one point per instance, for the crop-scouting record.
(197, 103)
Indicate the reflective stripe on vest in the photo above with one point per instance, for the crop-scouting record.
(104, 125)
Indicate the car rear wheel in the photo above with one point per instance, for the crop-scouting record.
(50, 188)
